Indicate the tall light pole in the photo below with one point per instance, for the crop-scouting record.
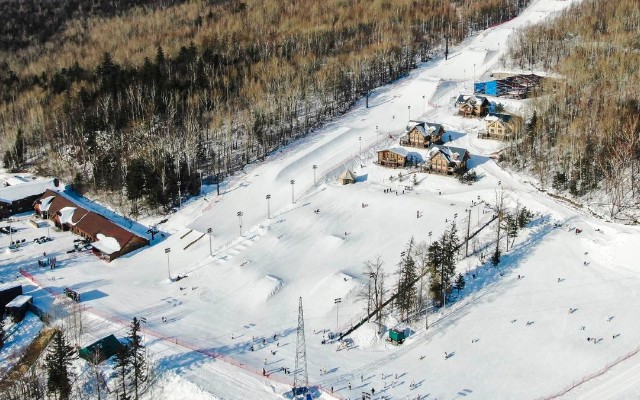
(466, 245)
(409, 108)
(268, 206)
(377, 134)
(240, 214)
(314, 174)
(360, 141)
(478, 222)
(293, 182)
(179, 195)
(424, 105)
(167, 251)
(210, 248)
(337, 302)
(10, 220)
(430, 233)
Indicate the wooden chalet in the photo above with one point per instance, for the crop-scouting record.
(422, 134)
(347, 177)
(19, 198)
(501, 126)
(472, 105)
(447, 160)
(396, 157)
(108, 240)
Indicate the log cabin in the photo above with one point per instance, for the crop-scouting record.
(472, 106)
(396, 157)
(447, 160)
(19, 198)
(501, 126)
(422, 134)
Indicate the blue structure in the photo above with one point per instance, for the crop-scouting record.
(489, 88)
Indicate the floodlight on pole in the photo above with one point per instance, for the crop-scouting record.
(360, 141)
(314, 173)
(179, 195)
(167, 251)
(337, 302)
(268, 206)
(409, 108)
(377, 134)
(424, 105)
(210, 248)
(240, 214)
(293, 182)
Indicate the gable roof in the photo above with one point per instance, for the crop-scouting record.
(101, 349)
(472, 100)
(424, 127)
(87, 221)
(505, 118)
(347, 174)
(10, 194)
(448, 152)
(397, 150)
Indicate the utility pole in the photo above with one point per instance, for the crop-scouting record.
(293, 182)
(409, 108)
(300, 375)
(377, 134)
(210, 248)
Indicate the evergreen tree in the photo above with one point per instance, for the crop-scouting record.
(137, 357)
(1, 332)
(407, 276)
(20, 149)
(495, 258)
(57, 363)
(460, 283)
(78, 184)
(122, 371)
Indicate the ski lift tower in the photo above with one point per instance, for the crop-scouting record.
(300, 375)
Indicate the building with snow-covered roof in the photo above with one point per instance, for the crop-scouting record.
(17, 307)
(19, 198)
(347, 177)
(108, 239)
(421, 134)
(396, 157)
(501, 126)
(472, 105)
(446, 159)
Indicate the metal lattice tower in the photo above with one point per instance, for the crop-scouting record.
(300, 376)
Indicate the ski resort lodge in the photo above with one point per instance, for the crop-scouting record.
(472, 106)
(501, 126)
(109, 240)
(19, 198)
(396, 157)
(447, 160)
(422, 134)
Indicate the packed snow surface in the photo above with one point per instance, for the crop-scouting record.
(560, 307)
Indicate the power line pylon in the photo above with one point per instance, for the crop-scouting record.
(300, 376)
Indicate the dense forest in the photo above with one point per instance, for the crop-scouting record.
(140, 102)
(583, 136)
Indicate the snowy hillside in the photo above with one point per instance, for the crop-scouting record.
(522, 330)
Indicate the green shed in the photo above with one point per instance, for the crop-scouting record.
(101, 350)
(396, 336)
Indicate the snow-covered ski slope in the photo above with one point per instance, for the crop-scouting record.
(507, 337)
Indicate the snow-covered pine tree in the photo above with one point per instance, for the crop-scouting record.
(138, 357)
(407, 276)
(57, 363)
